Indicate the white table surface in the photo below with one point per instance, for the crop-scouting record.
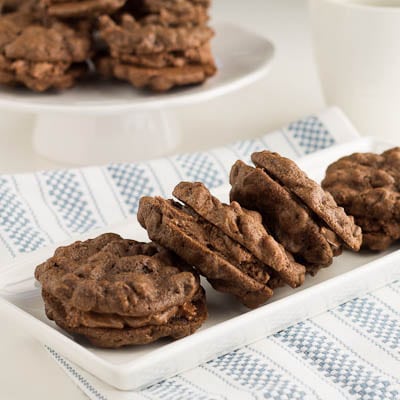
(291, 90)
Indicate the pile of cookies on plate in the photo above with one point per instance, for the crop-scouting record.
(152, 44)
(279, 226)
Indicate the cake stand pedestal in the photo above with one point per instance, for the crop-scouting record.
(100, 122)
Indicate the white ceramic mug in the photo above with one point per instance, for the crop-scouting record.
(357, 48)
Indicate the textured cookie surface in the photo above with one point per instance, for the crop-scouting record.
(117, 276)
(131, 37)
(367, 185)
(311, 193)
(42, 57)
(196, 56)
(184, 323)
(169, 12)
(289, 221)
(161, 79)
(227, 265)
(243, 226)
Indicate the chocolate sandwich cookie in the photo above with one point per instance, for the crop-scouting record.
(367, 185)
(122, 332)
(311, 194)
(80, 8)
(244, 227)
(294, 224)
(119, 276)
(156, 79)
(117, 291)
(227, 244)
(42, 57)
(197, 56)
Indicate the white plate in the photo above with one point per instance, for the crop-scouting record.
(229, 326)
(242, 57)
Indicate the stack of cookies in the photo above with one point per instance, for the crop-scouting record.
(158, 44)
(49, 44)
(40, 55)
(226, 243)
(303, 217)
(294, 227)
(118, 292)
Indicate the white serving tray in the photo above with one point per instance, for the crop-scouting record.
(229, 326)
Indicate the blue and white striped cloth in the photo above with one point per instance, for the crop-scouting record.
(351, 352)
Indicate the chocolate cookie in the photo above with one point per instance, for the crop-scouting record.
(157, 79)
(169, 13)
(183, 323)
(197, 56)
(242, 226)
(288, 220)
(227, 265)
(80, 8)
(131, 37)
(226, 243)
(42, 57)
(40, 76)
(9, 6)
(367, 185)
(311, 194)
(112, 275)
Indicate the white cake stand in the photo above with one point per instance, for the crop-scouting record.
(98, 122)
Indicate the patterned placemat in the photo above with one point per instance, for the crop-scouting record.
(351, 352)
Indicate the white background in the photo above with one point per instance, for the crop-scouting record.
(291, 90)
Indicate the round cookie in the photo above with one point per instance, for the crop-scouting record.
(311, 193)
(182, 324)
(111, 275)
(367, 185)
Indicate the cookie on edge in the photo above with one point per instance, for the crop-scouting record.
(290, 221)
(312, 194)
(244, 227)
(243, 260)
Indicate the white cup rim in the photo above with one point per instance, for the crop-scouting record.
(364, 7)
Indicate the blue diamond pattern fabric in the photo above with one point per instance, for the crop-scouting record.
(338, 363)
(18, 229)
(244, 148)
(374, 319)
(69, 200)
(310, 134)
(132, 181)
(351, 352)
(253, 374)
(200, 167)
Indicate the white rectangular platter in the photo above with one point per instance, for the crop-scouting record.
(229, 325)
